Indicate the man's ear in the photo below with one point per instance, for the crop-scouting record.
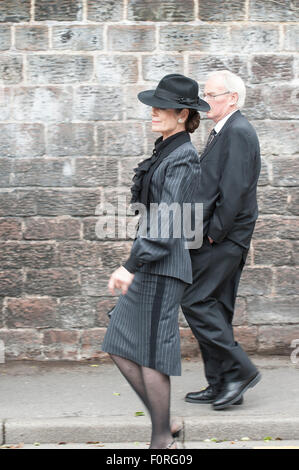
(234, 98)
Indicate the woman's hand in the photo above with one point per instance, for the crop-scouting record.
(121, 278)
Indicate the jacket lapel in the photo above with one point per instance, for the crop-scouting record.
(180, 140)
(226, 125)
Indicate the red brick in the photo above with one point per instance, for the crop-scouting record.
(22, 140)
(61, 344)
(70, 139)
(5, 38)
(25, 254)
(72, 202)
(91, 342)
(58, 10)
(247, 336)
(267, 10)
(96, 172)
(286, 281)
(278, 339)
(103, 305)
(46, 228)
(48, 103)
(277, 136)
(14, 11)
(273, 252)
(240, 316)
(78, 37)
(77, 312)
(23, 344)
(266, 68)
(189, 344)
(255, 281)
(154, 67)
(31, 38)
(51, 68)
(42, 172)
(11, 282)
(285, 172)
(10, 229)
(155, 10)
(120, 138)
(131, 38)
(273, 310)
(31, 312)
(291, 38)
(105, 10)
(213, 10)
(201, 38)
(116, 69)
(277, 226)
(56, 282)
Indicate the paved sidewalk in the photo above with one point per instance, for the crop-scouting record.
(49, 403)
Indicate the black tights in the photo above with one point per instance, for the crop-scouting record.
(153, 388)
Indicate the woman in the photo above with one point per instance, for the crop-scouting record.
(143, 334)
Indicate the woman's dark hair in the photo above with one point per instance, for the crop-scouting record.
(193, 120)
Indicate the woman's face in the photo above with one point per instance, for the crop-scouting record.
(166, 121)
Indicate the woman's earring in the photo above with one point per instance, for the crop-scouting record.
(180, 120)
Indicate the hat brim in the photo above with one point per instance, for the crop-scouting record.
(148, 97)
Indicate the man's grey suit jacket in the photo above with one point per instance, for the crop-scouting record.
(230, 168)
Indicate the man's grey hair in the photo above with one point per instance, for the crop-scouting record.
(233, 83)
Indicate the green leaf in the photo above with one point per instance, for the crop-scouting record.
(139, 413)
(268, 438)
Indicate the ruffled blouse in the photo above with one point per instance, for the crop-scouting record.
(143, 167)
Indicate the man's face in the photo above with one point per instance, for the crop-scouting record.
(222, 104)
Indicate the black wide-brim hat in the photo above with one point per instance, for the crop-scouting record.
(174, 91)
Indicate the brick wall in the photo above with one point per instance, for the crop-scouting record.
(71, 132)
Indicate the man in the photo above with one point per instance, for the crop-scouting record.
(230, 165)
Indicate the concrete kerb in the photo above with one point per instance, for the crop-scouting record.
(232, 428)
(115, 429)
(54, 430)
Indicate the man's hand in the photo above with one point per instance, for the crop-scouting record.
(121, 278)
(210, 240)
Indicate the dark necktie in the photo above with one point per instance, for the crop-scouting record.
(211, 137)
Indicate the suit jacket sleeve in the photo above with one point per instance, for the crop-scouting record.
(176, 188)
(234, 183)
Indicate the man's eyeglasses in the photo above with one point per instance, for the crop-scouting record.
(212, 97)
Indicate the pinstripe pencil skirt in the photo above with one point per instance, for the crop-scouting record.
(144, 324)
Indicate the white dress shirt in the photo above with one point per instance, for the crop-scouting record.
(222, 121)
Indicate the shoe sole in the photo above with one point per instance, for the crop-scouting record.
(206, 402)
(209, 402)
(251, 384)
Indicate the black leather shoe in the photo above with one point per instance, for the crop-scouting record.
(208, 395)
(233, 391)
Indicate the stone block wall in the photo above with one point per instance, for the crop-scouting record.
(71, 131)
